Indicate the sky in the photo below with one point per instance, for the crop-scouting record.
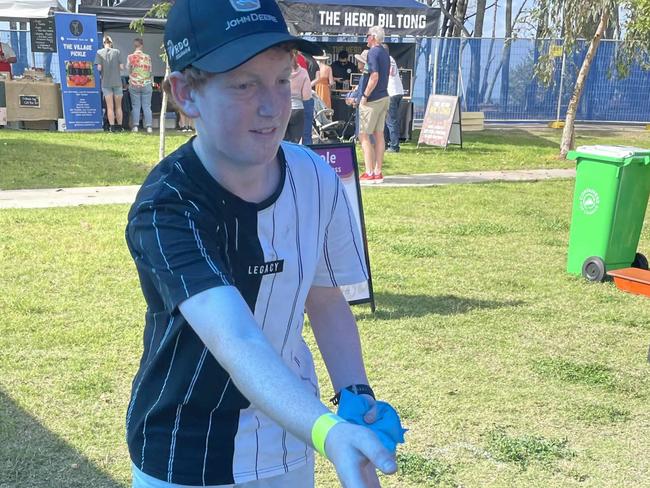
(501, 14)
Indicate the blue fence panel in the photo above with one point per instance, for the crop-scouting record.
(490, 75)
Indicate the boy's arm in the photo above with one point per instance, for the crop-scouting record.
(223, 321)
(225, 324)
(337, 336)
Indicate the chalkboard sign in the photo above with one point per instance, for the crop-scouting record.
(43, 35)
(406, 75)
(441, 124)
(29, 101)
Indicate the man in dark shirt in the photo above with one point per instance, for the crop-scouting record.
(342, 69)
(373, 107)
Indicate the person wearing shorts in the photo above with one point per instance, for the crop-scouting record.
(373, 107)
(234, 235)
(109, 66)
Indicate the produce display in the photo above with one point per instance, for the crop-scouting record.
(79, 74)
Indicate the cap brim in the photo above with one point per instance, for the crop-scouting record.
(228, 56)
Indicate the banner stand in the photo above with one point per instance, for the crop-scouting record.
(343, 159)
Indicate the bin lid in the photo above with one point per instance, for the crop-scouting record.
(614, 154)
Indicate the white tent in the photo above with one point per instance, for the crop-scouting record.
(28, 9)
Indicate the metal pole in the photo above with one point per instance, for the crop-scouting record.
(460, 74)
(435, 65)
(559, 97)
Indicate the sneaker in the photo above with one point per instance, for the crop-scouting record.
(149, 130)
(366, 179)
(378, 178)
(112, 128)
(392, 150)
(134, 129)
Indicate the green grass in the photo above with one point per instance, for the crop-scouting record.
(507, 371)
(33, 159)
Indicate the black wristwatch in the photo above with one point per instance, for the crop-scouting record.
(357, 390)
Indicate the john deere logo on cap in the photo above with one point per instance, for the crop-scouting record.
(245, 5)
(589, 201)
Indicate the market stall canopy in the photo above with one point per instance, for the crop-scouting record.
(124, 12)
(28, 9)
(354, 17)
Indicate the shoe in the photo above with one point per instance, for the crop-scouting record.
(134, 129)
(120, 128)
(366, 179)
(112, 128)
(392, 150)
(378, 178)
(149, 130)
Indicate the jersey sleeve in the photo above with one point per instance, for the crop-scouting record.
(177, 248)
(342, 260)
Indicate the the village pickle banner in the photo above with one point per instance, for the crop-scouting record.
(77, 45)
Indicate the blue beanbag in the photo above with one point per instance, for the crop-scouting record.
(387, 426)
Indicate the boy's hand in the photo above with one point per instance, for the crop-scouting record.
(371, 415)
(356, 452)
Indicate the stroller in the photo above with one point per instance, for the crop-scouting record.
(324, 128)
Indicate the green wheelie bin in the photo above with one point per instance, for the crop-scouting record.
(609, 204)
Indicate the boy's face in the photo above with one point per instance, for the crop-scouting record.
(245, 112)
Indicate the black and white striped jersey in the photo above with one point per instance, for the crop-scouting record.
(186, 421)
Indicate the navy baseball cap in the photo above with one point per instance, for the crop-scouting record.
(219, 35)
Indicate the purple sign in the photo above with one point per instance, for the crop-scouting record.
(339, 158)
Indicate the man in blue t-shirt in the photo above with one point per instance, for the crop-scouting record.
(373, 107)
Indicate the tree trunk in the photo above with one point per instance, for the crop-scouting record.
(163, 112)
(505, 67)
(461, 10)
(568, 134)
(475, 67)
(489, 56)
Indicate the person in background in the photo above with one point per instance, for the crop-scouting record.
(373, 107)
(395, 92)
(109, 66)
(354, 97)
(300, 92)
(312, 69)
(184, 123)
(324, 80)
(7, 58)
(342, 69)
(140, 85)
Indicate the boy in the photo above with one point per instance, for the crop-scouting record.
(233, 235)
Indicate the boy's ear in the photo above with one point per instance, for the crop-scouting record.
(183, 95)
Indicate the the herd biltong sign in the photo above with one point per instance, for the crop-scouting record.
(356, 19)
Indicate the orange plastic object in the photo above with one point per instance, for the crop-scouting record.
(632, 280)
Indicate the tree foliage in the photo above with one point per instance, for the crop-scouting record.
(570, 21)
(637, 38)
